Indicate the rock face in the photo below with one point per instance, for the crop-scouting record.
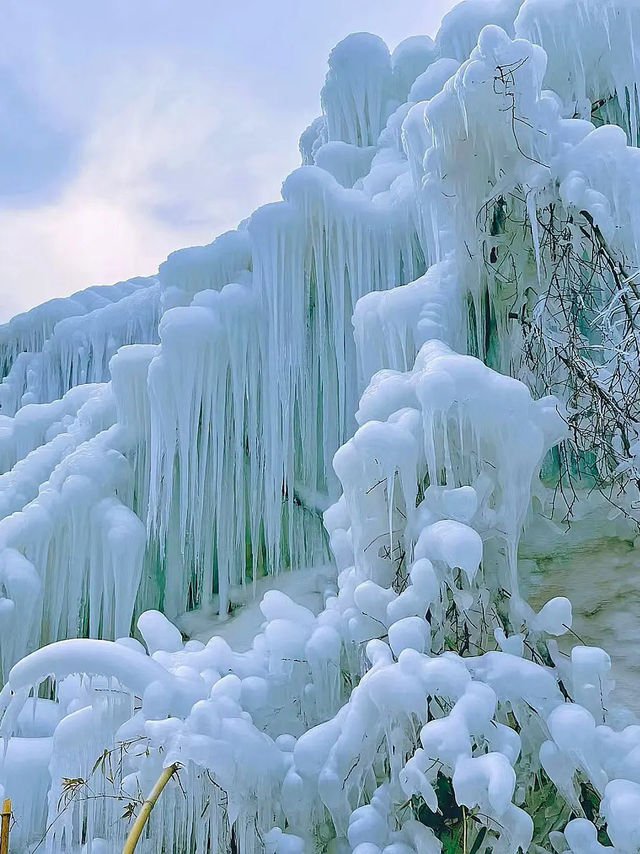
(602, 579)
(406, 380)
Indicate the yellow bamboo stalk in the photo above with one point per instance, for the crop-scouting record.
(4, 828)
(147, 806)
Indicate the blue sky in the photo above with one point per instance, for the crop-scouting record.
(129, 128)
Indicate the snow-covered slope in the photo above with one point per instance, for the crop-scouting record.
(426, 351)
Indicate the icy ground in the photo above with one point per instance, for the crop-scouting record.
(239, 627)
(417, 376)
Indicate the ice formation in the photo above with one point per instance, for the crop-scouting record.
(424, 354)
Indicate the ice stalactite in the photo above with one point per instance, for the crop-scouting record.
(36, 424)
(71, 547)
(28, 332)
(460, 28)
(347, 163)
(339, 244)
(200, 268)
(390, 327)
(411, 58)
(79, 350)
(69, 342)
(357, 94)
(22, 482)
(207, 454)
(593, 63)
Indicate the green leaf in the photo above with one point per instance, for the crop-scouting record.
(475, 849)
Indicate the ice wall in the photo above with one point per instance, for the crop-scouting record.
(251, 392)
(277, 377)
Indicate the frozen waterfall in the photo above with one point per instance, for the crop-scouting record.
(382, 403)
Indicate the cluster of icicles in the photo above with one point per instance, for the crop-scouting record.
(170, 440)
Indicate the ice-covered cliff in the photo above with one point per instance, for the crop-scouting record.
(418, 366)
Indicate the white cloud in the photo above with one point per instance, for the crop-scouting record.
(175, 164)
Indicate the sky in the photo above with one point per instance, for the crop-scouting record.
(130, 128)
